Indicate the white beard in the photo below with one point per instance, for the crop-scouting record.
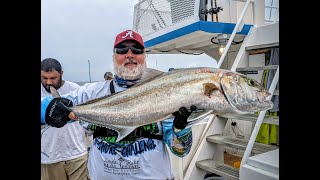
(129, 73)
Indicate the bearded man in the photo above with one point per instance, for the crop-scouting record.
(140, 155)
(64, 152)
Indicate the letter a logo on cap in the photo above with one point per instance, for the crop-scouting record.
(129, 33)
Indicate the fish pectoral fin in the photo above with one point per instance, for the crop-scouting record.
(123, 132)
(209, 88)
(197, 116)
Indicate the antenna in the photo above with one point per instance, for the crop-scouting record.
(89, 70)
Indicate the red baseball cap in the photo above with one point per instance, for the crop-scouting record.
(128, 35)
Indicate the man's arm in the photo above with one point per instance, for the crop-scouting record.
(178, 139)
(178, 142)
(56, 110)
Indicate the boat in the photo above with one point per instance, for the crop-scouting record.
(241, 36)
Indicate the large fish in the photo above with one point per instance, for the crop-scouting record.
(211, 90)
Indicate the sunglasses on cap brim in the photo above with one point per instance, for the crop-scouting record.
(125, 50)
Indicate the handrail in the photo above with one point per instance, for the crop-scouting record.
(233, 33)
(224, 55)
(222, 58)
(256, 129)
(202, 137)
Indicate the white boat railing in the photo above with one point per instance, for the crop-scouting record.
(239, 22)
(259, 121)
(202, 138)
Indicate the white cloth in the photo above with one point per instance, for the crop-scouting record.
(66, 143)
(144, 159)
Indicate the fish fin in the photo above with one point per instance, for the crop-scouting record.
(209, 88)
(148, 75)
(197, 116)
(123, 132)
(100, 98)
(54, 92)
(95, 100)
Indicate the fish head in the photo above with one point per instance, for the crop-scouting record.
(245, 94)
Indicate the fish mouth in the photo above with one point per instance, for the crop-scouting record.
(264, 102)
(267, 94)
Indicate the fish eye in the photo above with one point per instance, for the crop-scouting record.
(251, 82)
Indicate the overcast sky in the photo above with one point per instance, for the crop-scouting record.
(75, 31)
